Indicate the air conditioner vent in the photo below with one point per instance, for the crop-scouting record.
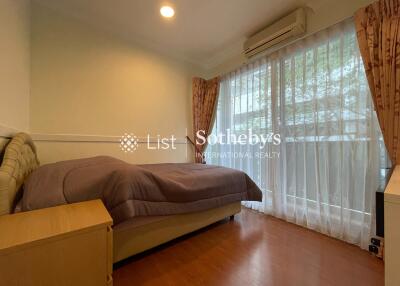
(291, 26)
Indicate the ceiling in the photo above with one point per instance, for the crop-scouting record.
(200, 30)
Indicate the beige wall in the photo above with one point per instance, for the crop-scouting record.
(57, 151)
(320, 15)
(14, 63)
(86, 81)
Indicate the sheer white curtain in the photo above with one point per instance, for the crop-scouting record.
(314, 93)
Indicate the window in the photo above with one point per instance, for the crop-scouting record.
(314, 94)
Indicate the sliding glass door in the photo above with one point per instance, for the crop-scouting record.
(323, 171)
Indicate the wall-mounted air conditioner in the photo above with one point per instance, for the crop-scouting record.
(290, 26)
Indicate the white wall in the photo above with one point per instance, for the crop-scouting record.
(85, 81)
(14, 63)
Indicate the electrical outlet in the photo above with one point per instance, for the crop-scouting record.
(374, 249)
(376, 241)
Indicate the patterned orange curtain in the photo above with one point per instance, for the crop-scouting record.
(378, 33)
(205, 94)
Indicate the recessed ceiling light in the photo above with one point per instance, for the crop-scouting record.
(167, 11)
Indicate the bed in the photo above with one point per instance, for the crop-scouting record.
(130, 236)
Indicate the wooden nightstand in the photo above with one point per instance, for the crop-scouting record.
(64, 245)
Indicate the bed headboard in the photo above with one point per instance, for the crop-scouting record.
(19, 159)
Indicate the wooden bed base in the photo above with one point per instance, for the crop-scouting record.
(130, 241)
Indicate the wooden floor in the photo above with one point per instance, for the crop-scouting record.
(254, 249)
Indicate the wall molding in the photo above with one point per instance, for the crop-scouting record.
(85, 138)
(49, 137)
(9, 132)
